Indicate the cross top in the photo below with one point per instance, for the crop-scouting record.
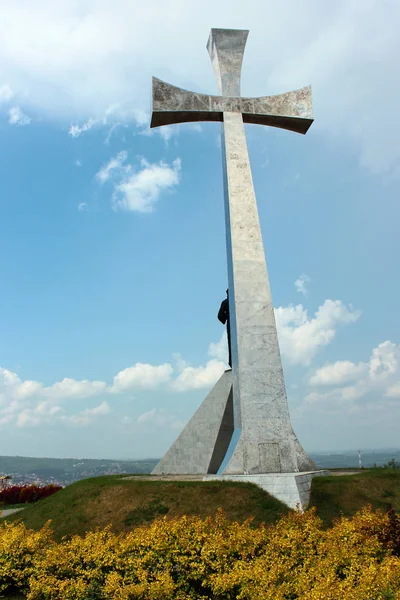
(292, 110)
(226, 50)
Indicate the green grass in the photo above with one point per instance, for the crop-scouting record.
(337, 495)
(7, 506)
(94, 503)
(126, 503)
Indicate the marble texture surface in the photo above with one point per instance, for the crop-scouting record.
(263, 440)
(259, 397)
(202, 444)
(172, 104)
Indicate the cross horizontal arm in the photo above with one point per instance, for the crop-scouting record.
(292, 111)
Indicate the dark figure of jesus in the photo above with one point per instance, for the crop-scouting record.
(223, 316)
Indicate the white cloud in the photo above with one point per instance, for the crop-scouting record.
(158, 417)
(78, 60)
(46, 414)
(12, 389)
(83, 207)
(28, 389)
(300, 338)
(6, 93)
(112, 129)
(119, 114)
(219, 350)
(70, 388)
(26, 419)
(8, 378)
(87, 416)
(193, 378)
(139, 191)
(384, 360)
(393, 391)
(344, 49)
(78, 163)
(167, 132)
(337, 373)
(101, 409)
(76, 131)
(113, 166)
(142, 117)
(146, 416)
(300, 284)
(42, 413)
(17, 117)
(30, 403)
(141, 376)
(372, 382)
(205, 376)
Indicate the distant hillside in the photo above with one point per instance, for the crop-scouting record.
(347, 459)
(67, 470)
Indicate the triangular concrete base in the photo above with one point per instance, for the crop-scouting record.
(202, 445)
(206, 443)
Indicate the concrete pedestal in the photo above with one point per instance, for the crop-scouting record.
(293, 489)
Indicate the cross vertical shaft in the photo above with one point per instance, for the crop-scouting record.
(259, 395)
(261, 438)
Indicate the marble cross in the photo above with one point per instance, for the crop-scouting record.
(263, 440)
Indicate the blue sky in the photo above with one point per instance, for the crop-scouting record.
(112, 238)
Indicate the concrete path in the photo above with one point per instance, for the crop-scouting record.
(334, 473)
(9, 511)
(165, 477)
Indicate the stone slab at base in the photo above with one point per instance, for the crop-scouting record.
(202, 444)
(293, 489)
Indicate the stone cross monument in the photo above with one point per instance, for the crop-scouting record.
(243, 426)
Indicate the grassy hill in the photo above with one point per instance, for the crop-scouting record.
(94, 503)
(91, 503)
(346, 494)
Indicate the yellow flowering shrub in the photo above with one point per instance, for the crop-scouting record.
(301, 560)
(192, 558)
(20, 549)
(158, 561)
(75, 568)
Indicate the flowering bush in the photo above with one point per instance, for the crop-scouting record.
(17, 494)
(192, 558)
(19, 552)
